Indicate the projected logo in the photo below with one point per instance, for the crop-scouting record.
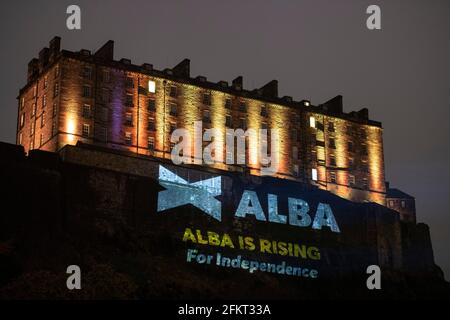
(201, 194)
(180, 192)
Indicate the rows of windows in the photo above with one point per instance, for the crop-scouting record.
(206, 117)
(351, 179)
(41, 135)
(391, 204)
(34, 107)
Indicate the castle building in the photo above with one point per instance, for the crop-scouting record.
(89, 97)
(401, 202)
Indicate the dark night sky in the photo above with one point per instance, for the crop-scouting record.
(316, 49)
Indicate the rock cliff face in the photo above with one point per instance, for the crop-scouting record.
(98, 210)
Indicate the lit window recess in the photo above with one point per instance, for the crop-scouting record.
(151, 86)
(314, 174)
(312, 122)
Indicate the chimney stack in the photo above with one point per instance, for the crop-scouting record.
(270, 90)
(33, 69)
(237, 83)
(334, 105)
(43, 58)
(106, 52)
(182, 69)
(55, 47)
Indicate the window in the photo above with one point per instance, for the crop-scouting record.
(314, 174)
(56, 71)
(403, 204)
(333, 177)
(351, 180)
(32, 128)
(103, 134)
(351, 162)
(364, 167)
(53, 127)
(151, 105)
(296, 170)
(173, 109)
(332, 143)
(242, 107)
(104, 114)
(151, 86)
(86, 91)
(105, 95)
(228, 121)
(228, 103)
(31, 144)
(87, 73)
(20, 138)
(151, 143)
(128, 138)
(41, 140)
(45, 82)
(22, 102)
(86, 111)
(34, 91)
(54, 111)
(312, 122)
(365, 184)
(364, 149)
(264, 125)
(151, 124)
(44, 100)
(313, 139)
(22, 120)
(56, 90)
(43, 119)
(173, 91)
(294, 134)
(243, 123)
(106, 76)
(331, 126)
(33, 110)
(207, 99)
(264, 111)
(363, 135)
(129, 82)
(391, 203)
(332, 161)
(129, 100)
(206, 116)
(129, 119)
(173, 126)
(350, 146)
(86, 129)
(295, 153)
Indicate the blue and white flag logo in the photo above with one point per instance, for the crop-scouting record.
(200, 194)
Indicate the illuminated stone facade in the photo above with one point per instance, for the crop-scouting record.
(79, 96)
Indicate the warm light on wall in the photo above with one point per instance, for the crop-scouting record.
(312, 122)
(71, 127)
(376, 164)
